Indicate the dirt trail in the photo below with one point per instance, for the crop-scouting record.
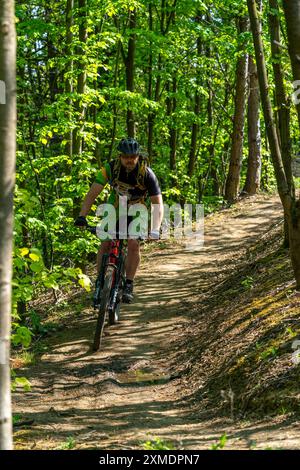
(127, 393)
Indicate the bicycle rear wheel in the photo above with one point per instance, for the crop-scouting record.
(104, 305)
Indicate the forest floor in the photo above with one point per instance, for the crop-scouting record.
(205, 350)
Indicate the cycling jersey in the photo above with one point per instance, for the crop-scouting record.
(135, 185)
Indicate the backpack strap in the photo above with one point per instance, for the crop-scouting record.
(140, 179)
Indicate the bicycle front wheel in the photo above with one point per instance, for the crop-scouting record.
(104, 305)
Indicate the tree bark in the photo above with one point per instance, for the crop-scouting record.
(291, 206)
(252, 183)
(292, 18)
(130, 71)
(266, 102)
(7, 181)
(213, 174)
(233, 177)
(69, 79)
(165, 22)
(81, 83)
(171, 102)
(150, 73)
(197, 103)
(282, 101)
(173, 129)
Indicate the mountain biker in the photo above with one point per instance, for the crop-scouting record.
(127, 175)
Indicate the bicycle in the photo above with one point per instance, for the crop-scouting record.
(109, 286)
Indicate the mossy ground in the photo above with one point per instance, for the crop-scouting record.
(241, 337)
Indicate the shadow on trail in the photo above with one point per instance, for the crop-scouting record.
(113, 384)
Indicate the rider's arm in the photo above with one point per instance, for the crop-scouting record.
(89, 199)
(158, 212)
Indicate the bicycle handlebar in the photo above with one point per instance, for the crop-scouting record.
(93, 229)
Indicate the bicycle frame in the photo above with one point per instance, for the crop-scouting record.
(116, 259)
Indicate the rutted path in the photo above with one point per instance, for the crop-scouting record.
(127, 394)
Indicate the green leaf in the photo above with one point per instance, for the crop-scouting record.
(34, 257)
(85, 282)
(37, 267)
(24, 251)
(22, 382)
(22, 336)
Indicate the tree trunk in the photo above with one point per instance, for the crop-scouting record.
(292, 18)
(81, 83)
(53, 72)
(150, 73)
(115, 116)
(282, 102)
(7, 181)
(130, 71)
(69, 79)
(195, 128)
(173, 129)
(165, 23)
(233, 177)
(291, 206)
(252, 183)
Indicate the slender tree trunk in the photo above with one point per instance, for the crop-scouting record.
(194, 136)
(292, 18)
(233, 177)
(7, 181)
(173, 129)
(282, 101)
(197, 103)
(150, 73)
(115, 117)
(130, 71)
(81, 83)
(52, 74)
(165, 22)
(291, 206)
(252, 183)
(69, 79)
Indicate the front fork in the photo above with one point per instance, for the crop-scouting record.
(115, 299)
(100, 281)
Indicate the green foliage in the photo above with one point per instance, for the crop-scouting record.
(19, 382)
(291, 333)
(16, 418)
(269, 352)
(221, 444)
(248, 282)
(157, 444)
(21, 336)
(68, 445)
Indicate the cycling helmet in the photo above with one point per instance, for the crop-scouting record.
(129, 146)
